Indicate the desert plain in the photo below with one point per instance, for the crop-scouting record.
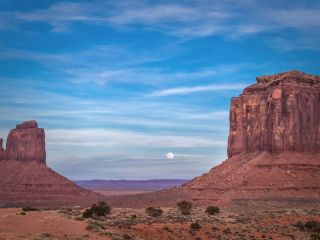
(242, 223)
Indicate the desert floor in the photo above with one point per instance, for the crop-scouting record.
(127, 223)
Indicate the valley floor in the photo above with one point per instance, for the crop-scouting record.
(128, 223)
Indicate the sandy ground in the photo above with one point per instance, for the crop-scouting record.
(128, 223)
(42, 225)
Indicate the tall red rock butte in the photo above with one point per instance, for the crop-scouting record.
(279, 113)
(25, 177)
(274, 143)
(273, 147)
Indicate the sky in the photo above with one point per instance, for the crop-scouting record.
(119, 84)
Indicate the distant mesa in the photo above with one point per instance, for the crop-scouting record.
(273, 148)
(25, 177)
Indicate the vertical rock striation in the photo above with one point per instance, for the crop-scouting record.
(279, 113)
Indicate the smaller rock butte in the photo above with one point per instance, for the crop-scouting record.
(25, 177)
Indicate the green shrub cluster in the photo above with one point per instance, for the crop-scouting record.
(212, 210)
(97, 210)
(185, 207)
(154, 212)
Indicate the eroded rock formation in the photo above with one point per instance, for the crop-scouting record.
(24, 175)
(279, 113)
(26, 143)
(274, 143)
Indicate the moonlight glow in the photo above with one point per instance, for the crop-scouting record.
(170, 155)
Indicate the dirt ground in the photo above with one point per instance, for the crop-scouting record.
(128, 223)
(42, 225)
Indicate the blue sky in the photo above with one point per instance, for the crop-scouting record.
(118, 84)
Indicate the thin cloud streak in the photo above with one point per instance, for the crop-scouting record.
(118, 138)
(197, 89)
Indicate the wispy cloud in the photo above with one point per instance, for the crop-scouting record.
(114, 64)
(201, 19)
(61, 14)
(294, 17)
(155, 14)
(155, 166)
(197, 89)
(118, 138)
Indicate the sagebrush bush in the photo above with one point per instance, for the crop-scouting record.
(212, 210)
(154, 212)
(185, 207)
(97, 210)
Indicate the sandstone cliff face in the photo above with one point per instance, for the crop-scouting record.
(279, 113)
(26, 143)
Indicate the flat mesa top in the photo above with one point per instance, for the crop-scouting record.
(292, 75)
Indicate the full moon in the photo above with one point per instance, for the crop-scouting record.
(170, 155)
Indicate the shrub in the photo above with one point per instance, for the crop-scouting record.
(154, 212)
(29, 209)
(184, 207)
(312, 226)
(195, 226)
(212, 210)
(98, 210)
(87, 213)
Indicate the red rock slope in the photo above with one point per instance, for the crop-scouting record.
(24, 175)
(273, 147)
